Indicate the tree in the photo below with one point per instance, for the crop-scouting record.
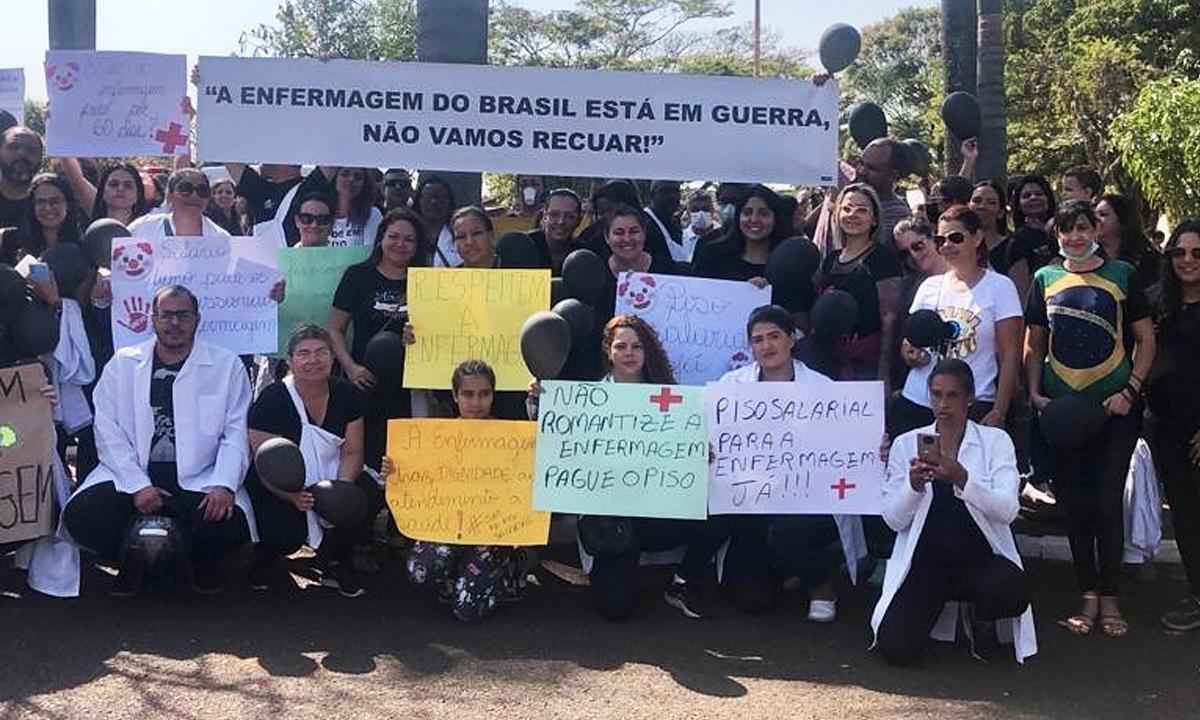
(959, 62)
(1158, 143)
(359, 29)
(993, 139)
(730, 51)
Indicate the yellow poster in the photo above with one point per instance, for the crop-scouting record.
(459, 314)
(465, 482)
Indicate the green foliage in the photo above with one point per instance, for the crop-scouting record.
(1158, 142)
(360, 29)
(35, 116)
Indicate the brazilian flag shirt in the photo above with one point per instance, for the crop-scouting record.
(1089, 316)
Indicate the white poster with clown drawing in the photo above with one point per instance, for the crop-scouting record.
(232, 279)
(701, 322)
(116, 104)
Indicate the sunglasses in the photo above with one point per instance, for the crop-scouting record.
(1178, 253)
(312, 219)
(186, 188)
(955, 238)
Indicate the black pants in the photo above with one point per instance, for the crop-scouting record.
(385, 402)
(282, 529)
(99, 517)
(1090, 485)
(1181, 479)
(994, 584)
(614, 577)
(764, 549)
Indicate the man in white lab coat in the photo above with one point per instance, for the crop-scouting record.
(171, 437)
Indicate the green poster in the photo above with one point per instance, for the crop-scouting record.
(624, 449)
(313, 274)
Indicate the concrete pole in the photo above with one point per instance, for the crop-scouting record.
(72, 24)
(454, 31)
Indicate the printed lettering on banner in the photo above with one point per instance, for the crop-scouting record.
(795, 448)
(116, 104)
(701, 322)
(12, 92)
(231, 277)
(461, 314)
(312, 274)
(623, 449)
(465, 482)
(27, 449)
(542, 121)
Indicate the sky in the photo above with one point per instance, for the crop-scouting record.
(213, 27)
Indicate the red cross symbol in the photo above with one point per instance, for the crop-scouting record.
(170, 138)
(842, 488)
(664, 399)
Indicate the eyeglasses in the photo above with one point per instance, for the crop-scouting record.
(177, 316)
(1178, 253)
(319, 354)
(187, 188)
(955, 238)
(312, 219)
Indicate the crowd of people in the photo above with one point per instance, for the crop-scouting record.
(1060, 335)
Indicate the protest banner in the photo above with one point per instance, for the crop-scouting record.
(465, 482)
(623, 449)
(27, 448)
(12, 92)
(518, 120)
(460, 314)
(795, 448)
(231, 277)
(115, 104)
(701, 323)
(312, 274)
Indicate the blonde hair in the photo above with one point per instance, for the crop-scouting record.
(839, 239)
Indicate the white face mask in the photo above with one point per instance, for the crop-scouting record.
(529, 195)
(1090, 251)
(700, 220)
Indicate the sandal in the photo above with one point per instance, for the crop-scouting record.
(1082, 622)
(1111, 621)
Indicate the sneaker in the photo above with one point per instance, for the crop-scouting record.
(1185, 617)
(341, 577)
(207, 581)
(682, 597)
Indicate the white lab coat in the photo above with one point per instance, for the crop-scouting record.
(158, 225)
(1143, 507)
(850, 530)
(211, 398)
(322, 452)
(991, 498)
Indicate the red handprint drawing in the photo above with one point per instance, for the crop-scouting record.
(137, 315)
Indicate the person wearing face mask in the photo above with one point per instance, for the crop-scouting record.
(555, 238)
(21, 152)
(188, 193)
(1033, 206)
(1090, 333)
(700, 220)
(522, 215)
(323, 416)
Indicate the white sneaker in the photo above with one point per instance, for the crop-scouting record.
(822, 611)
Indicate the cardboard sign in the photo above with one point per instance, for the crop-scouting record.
(313, 274)
(622, 449)
(27, 448)
(465, 482)
(12, 92)
(798, 449)
(701, 323)
(231, 277)
(460, 314)
(539, 121)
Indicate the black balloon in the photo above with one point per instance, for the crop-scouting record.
(585, 276)
(97, 240)
(926, 329)
(792, 258)
(545, 344)
(867, 122)
(517, 251)
(833, 315)
(34, 330)
(154, 547)
(1071, 420)
(960, 112)
(580, 317)
(839, 47)
(341, 503)
(280, 465)
(919, 156)
(384, 354)
(69, 265)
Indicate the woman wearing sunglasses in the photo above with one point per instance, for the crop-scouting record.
(1090, 334)
(1174, 398)
(314, 219)
(982, 313)
(188, 193)
(919, 261)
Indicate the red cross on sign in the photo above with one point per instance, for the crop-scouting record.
(664, 399)
(842, 488)
(171, 138)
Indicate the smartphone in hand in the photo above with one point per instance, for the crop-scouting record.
(928, 448)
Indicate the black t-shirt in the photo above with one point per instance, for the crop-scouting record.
(12, 212)
(273, 412)
(1033, 246)
(372, 301)
(1172, 392)
(859, 277)
(163, 471)
(721, 260)
(951, 529)
(998, 257)
(264, 196)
